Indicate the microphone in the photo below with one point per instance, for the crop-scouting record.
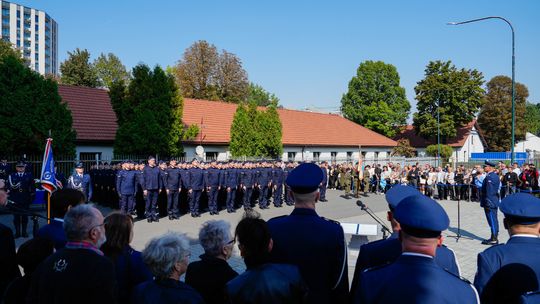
(361, 205)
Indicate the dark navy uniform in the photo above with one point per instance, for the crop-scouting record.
(184, 184)
(126, 185)
(196, 186)
(5, 171)
(415, 277)
(509, 270)
(530, 298)
(152, 185)
(173, 185)
(489, 200)
(277, 181)
(264, 178)
(315, 244)
(288, 198)
(247, 180)
(231, 183)
(81, 182)
(322, 187)
(21, 190)
(212, 178)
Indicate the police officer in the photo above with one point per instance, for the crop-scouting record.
(173, 188)
(384, 252)
(196, 187)
(151, 187)
(315, 244)
(231, 181)
(415, 277)
(212, 182)
(21, 191)
(278, 177)
(507, 271)
(81, 182)
(264, 180)
(247, 182)
(184, 183)
(286, 171)
(489, 200)
(126, 185)
(324, 182)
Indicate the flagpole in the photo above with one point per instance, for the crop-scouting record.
(48, 207)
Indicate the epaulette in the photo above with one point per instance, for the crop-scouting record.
(377, 267)
(331, 220)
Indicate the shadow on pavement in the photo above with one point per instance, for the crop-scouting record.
(464, 233)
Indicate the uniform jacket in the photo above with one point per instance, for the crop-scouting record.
(212, 177)
(278, 176)
(264, 176)
(325, 176)
(21, 188)
(196, 178)
(173, 179)
(490, 191)
(413, 279)
(167, 291)
(184, 179)
(317, 246)
(151, 178)
(82, 183)
(508, 270)
(126, 182)
(268, 283)
(232, 178)
(247, 177)
(54, 232)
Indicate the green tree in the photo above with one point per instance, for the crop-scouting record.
(30, 106)
(7, 49)
(153, 123)
(456, 94)
(404, 148)
(78, 70)
(496, 114)
(242, 133)
(110, 69)
(231, 79)
(270, 133)
(117, 95)
(375, 99)
(260, 96)
(532, 118)
(446, 151)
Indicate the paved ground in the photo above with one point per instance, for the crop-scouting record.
(473, 227)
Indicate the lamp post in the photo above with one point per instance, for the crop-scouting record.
(438, 129)
(513, 72)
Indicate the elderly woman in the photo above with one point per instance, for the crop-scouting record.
(209, 275)
(167, 257)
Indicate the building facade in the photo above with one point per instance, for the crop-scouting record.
(34, 33)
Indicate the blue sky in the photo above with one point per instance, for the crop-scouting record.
(307, 51)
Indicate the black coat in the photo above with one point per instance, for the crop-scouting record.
(8, 261)
(209, 276)
(74, 276)
(165, 292)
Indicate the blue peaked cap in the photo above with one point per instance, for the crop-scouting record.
(421, 216)
(305, 178)
(521, 208)
(397, 193)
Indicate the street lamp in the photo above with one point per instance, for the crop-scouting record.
(513, 71)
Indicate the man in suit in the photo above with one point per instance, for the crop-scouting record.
(8, 259)
(81, 182)
(383, 252)
(415, 277)
(78, 273)
(315, 244)
(21, 192)
(509, 270)
(489, 200)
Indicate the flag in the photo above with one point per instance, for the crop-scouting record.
(48, 174)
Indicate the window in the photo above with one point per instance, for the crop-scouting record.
(364, 155)
(316, 156)
(211, 156)
(37, 18)
(36, 67)
(36, 56)
(291, 156)
(36, 27)
(376, 155)
(333, 156)
(349, 156)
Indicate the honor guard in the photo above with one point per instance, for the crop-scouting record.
(126, 185)
(212, 179)
(415, 277)
(315, 244)
(81, 181)
(278, 177)
(21, 191)
(507, 271)
(489, 200)
(196, 187)
(151, 187)
(383, 252)
(173, 186)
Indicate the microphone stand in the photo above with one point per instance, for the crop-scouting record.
(377, 219)
(16, 210)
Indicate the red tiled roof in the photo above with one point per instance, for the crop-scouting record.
(418, 141)
(93, 116)
(300, 128)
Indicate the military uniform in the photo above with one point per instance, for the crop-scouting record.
(231, 184)
(126, 184)
(509, 270)
(324, 182)
(212, 179)
(81, 182)
(315, 244)
(196, 186)
(489, 200)
(173, 185)
(247, 182)
(288, 198)
(21, 191)
(264, 179)
(278, 177)
(152, 185)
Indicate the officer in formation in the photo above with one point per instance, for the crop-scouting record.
(231, 180)
(151, 185)
(196, 187)
(489, 200)
(247, 182)
(21, 190)
(315, 244)
(278, 177)
(508, 271)
(415, 277)
(383, 252)
(81, 181)
(126, 185)
(212, 180)
(173, 186)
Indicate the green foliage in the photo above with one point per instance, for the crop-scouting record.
(261, 97)
(375, 99)
(456, 93)
(532, 118)
(78, 70)
(110, 69)
(191, 132)
(150, 114)
(7, 49)
(496, 114)
(404, 149)
(30, 106)
(117, 95)
(256, 132)
(446, 151)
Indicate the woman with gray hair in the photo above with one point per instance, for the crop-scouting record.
(209, 275)
(167, 257)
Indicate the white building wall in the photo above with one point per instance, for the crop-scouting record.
(531, 144)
